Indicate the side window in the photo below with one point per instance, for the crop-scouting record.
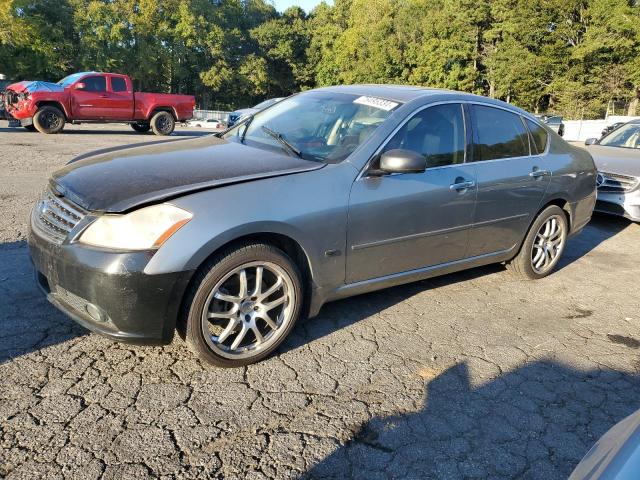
(436, 132)
(95, 84)
(539, 136)
(498, 134)
(118, 84)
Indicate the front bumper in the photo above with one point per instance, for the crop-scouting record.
(622, 204)
(108, 292)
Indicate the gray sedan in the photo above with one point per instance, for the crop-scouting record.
(229, 239)
(617, 157)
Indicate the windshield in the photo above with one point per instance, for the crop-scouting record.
(320, 126)
(66, 81)
(626, 136)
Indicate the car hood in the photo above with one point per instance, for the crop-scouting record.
(35, 86)
(119, 179)
(625, 161)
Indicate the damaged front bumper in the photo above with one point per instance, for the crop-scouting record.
(17, 106)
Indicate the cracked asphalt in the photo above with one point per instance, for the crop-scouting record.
(471, 375)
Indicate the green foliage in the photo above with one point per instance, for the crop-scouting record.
(574, 57)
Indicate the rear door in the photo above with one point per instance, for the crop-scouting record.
(402, 222)
(91, 102)
(511, 181)
(120, 97)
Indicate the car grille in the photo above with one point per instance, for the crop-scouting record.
(614, 182)
(56, 216)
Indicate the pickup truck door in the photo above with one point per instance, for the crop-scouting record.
(89, 99)
(121, 100)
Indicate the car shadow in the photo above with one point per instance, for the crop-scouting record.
(28, 322)
(535, 422)
(342, 313)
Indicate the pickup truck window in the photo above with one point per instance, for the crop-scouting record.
(95, 84)
(118, 84)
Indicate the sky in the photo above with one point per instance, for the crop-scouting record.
(307, 5)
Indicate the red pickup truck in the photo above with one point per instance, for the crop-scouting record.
(94, 97)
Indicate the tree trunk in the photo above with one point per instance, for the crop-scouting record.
(633, 105)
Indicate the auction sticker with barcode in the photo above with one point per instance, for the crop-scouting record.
(375, 102)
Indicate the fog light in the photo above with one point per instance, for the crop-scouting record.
(95, 312)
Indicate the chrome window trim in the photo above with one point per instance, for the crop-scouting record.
(403, 123)
(548, 143)
(522, 116)
(524, 124)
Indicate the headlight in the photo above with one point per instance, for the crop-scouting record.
(143, 229)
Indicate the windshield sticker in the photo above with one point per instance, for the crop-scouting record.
(375, 102)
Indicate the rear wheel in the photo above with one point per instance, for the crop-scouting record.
(163, 123)
(141, 127)
(543, 245)
(243, 305)
(49, 119)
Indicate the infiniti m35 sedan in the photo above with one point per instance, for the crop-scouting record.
(228, 239)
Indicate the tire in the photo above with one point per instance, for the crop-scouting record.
(30, 128)
(543, 246)
(49, 119)
(163, 123)
(141, 127)
(216, 305)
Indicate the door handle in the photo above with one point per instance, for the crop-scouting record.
(462, 185)
(539, 173)
(104, 96)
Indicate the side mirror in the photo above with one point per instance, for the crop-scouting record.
(590, 141)
(402, 161)
(79, 86)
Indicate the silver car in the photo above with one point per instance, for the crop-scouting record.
(617, 157)
(241, 114)
(229, 239)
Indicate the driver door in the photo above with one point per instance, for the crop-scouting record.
(92, 101)
(403, 222)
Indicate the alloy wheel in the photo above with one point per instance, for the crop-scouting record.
(248, 310)
(548, 244)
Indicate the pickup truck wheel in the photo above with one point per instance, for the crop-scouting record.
(163, 123)
(49, 119)
(141, 127)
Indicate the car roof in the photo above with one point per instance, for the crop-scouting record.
(400, 93)
(407, 93)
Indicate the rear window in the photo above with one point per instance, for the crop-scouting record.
(499, 134)
(118, 84)
(539, 136)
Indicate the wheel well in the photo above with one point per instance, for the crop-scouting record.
(563, 204)
(163, 109)
(283, 242)
(52, 104)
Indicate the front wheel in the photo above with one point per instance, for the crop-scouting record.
(243, 305)
(543, 245)
(163, 123)
(49, 119)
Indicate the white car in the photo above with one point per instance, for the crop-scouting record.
(207, 123)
